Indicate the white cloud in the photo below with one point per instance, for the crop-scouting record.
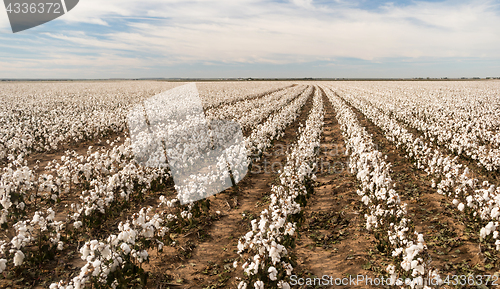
(260, 31)
(246, 31)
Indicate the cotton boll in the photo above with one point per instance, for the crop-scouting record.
(18, 258)
(77, 224)
(125, 248)
(3, 265)
(259, 285)
(495, 213)
(272, 273)
(283, 285)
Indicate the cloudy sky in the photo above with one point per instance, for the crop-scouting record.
(258, 38)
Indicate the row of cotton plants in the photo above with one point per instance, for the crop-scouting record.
(386, 215)
(250, 112)
(16, 181)
(479, 200)
(273, 128)
(117, 259)
(265, 249)
(461, 120)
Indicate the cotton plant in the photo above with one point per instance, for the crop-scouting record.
(42, 231)
(117, 260)
(16, 185)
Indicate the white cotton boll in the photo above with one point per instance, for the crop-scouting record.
(241, 246)
(242, 285)
(125, 248)
(365, 200)
(77, 224)
(283, 285)
(60, 246)
(272, 273)
(85, 251)
(21, 206)
(495, 213)
(461, 207)
(288, 267)
(455, 202)
(248, 236)
(418, 271)
(391, 269)
(97, 267)
(50, 214)
(254, 225)
(3, 265)
(406, 265)
(397, 251)
(18, 258)
(36, 218)
(142, 256)
(258, 285)
(483, 233)
(106, 252)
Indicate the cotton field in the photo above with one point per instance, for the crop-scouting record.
(341, 183)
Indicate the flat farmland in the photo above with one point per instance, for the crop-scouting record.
(391, 184)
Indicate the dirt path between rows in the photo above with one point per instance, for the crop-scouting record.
(333, 241)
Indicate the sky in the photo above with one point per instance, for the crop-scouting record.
(259, 39)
